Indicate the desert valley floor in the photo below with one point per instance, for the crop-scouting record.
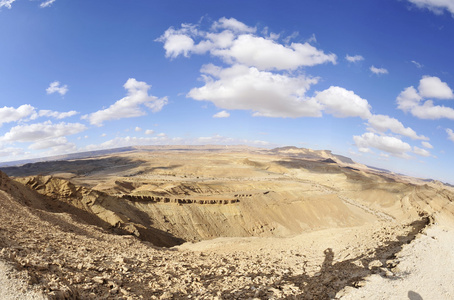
(212, 222)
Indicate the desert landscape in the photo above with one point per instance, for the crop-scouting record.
(217, 222)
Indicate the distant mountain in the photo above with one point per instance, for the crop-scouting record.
(66, 156)
(313, 154)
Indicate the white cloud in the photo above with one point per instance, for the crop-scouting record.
(236, 43)
(177, 43)
(54, 87)
(433, 87)
(129, 106)
(162, 134)
(389, 144)
(433, 112)
(409, 100)
(450, 134)
(11, 114)
(265, 93)
(149, 131)
(232, 24)
(421, 152)
(47, 3)
(11, 152)
(342, 103)
(269, 94)
(378, 71)
(41, 131)
(436, 6)
(60, 142)
(427, 145)
(6, 3)
(266, 54)
(383, 123)
(138, 129)
(312, 39)
(221, 114)
(354, 58)
(417, 64)
(56, 114)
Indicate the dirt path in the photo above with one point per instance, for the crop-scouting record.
(425, 271)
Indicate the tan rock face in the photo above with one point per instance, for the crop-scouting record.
(272, 224)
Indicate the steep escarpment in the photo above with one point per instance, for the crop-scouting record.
(266, 210)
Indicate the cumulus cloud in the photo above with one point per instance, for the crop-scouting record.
(436, 6)
(378, 71)
(138, 129)
(221, 114)
(54, 87)
(11, 114)
(6, 3)
(433, 87)
(450, 134)
(342, 103)
(129, 106)
(411, 100)
(421, 152)
(149, 131)
(427, 145)
(389, 144)
(267, 54)
(265, 93)
(354, 58)
(41, 131)
(47, 3)
(432, 112)
(383, 123)
(408, 99)
(56, 114)
(237, 43)
(269, 94)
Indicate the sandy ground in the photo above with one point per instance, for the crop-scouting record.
(425, 270)
(13, 288)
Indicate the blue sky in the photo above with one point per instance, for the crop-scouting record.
(372, 80)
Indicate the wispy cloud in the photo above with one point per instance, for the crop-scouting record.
(354, 58)
(6, 3)
(47, 3)
(436, 6)
(450, 134)
(221, 114)
(55, 87)
(378, 71)
(417, 64)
